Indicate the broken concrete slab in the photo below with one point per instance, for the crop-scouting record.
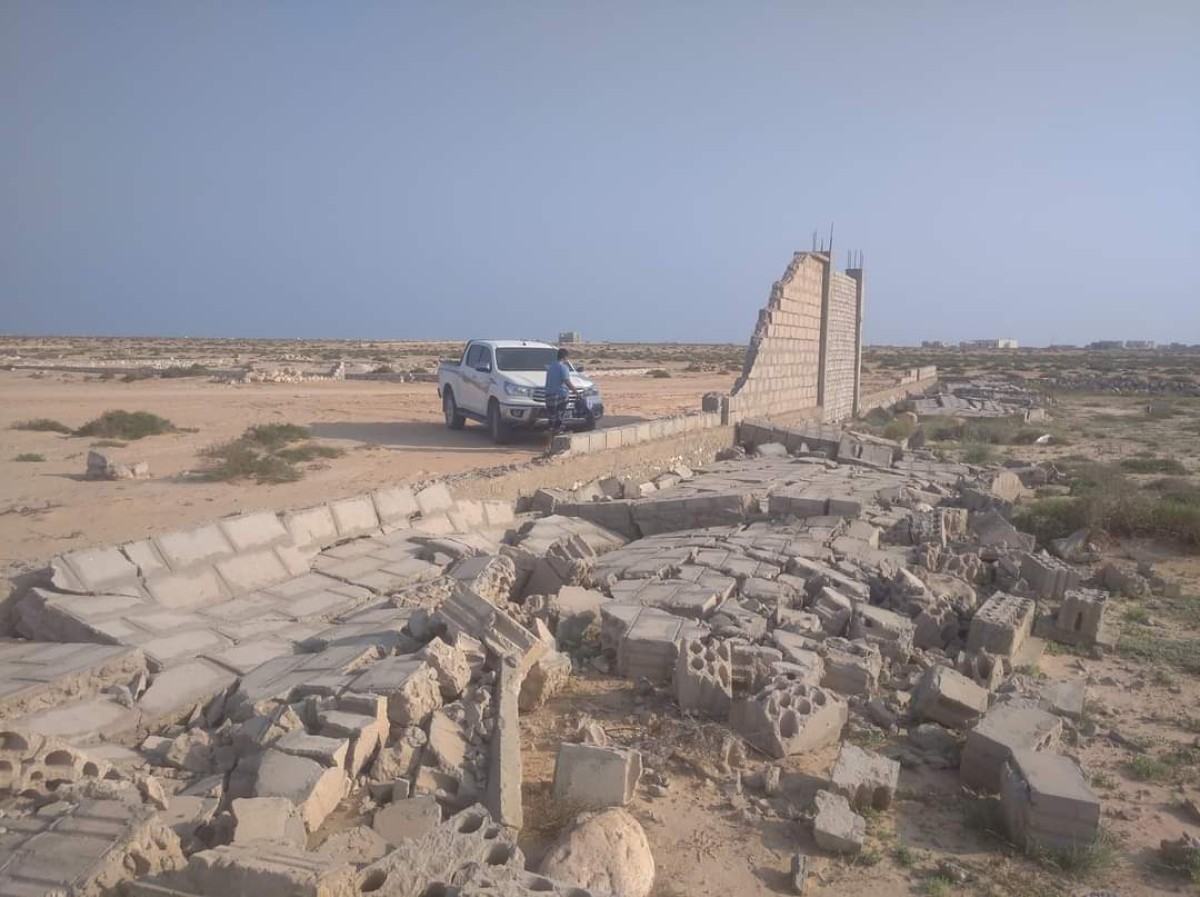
(405, 820)
(263, 870)
(313, 788)
(836, 827)
(594, 776)
(86, 848)
(1004, 729)
(270, 819)
(1045, 800)
(864, 778)
(946, 696)
(38, 675)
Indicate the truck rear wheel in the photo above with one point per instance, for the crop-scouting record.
(500, 430)
(454, 420)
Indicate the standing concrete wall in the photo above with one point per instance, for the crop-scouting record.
(804, 357)
(783, 361)
(839, 396)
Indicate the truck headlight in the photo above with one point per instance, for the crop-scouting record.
(592, 391)
(512, 389)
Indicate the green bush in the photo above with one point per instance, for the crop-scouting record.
(42, 425)
(266, 453)
(31, 457)
(978, 453)
(192, 370)
(127, 425)
(1153, 465)
(240, 460)
(275, 436)
(901, 428)
(1104, 498)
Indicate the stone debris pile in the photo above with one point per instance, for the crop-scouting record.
(980, 398)
(227, 698)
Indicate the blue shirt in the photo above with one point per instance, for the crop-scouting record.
(557, 375)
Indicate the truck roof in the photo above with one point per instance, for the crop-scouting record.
(514, 344)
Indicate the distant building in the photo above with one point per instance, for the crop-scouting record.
(570, 336)
(1139, 344)
(934, 344)
(1001, 343)
(1107, 345)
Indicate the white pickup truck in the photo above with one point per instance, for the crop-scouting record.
(502, 383)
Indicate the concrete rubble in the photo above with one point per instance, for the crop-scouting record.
(229, 691)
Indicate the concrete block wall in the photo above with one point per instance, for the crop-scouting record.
(839, 399)
(243, 580)
(783, 363)
(635, 434)
(805, 354)
(909, 385)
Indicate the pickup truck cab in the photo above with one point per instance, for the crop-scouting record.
(502, 383)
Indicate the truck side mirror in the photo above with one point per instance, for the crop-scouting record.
(484, 368)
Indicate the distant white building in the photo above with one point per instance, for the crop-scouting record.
(1001, 343)
(570, 336)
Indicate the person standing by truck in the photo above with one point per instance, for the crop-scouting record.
(558, 390)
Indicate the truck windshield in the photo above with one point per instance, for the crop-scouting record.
(525, 359)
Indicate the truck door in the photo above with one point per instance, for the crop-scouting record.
(476, 377)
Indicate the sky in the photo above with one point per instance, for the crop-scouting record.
(635, 171)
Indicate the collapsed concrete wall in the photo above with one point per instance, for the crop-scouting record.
(805, 352)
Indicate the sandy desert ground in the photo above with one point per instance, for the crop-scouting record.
(392, 433)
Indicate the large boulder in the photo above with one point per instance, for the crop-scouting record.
(606, 852)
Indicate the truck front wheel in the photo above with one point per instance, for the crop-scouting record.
(500, 430)
(454, 420)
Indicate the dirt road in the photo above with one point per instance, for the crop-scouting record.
(393, 433)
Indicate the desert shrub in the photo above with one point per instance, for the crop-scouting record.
(275, 436)
(31, 457)
(192, 370)
(901, 428)
(267, 453)
(1103, 498)
(309, 451)
(1153, 465)
(42, 425)
(659, 374)
(877, 417)
(241, 460)
(978, 453)
(109, 443)
(127, 425)
(134, 376)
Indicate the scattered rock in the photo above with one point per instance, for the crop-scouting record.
(607, 852)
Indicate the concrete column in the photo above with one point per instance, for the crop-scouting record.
(822, 355)
(858, 275)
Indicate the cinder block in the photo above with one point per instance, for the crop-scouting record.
(866, 779)
(1045, 800)
(355, 516)
(250, 531)
(1002, 624)
(596, 776)
(1004, 729)
(946, 696)
(395, 505)
(311, 528)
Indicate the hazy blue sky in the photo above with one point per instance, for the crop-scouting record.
(635, 171)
